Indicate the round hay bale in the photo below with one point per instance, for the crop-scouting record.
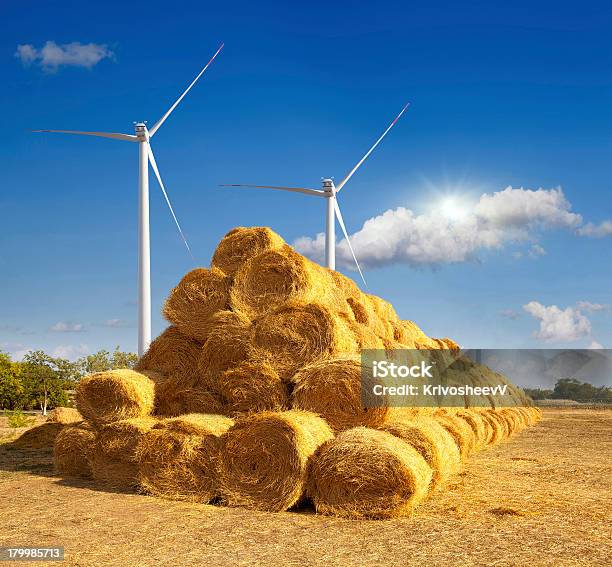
(496, 429)
(332, 389)
(114, 463)
(38, 437)
(461, 432)
(174, 355)
(253, 386)
(226, 347)
(263, 458)
(72, 450)
(432, 442)
(502, 424)
(478, 425)
(178, 456)
(115, 395)
(200, 294)
(365, 337)
(270, 280)
(365, 473)
(64, 416)
(512, 419)
(171, 400)
(243, 243)
(298, 334)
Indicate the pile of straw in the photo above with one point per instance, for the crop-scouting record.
(272, 340)
(64, 416)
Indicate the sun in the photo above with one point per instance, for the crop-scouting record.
(453, 209)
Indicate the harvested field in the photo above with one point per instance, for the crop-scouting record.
(542, 498)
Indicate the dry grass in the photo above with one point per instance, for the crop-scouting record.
(542, 498)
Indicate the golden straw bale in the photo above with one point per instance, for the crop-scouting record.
(365, 337)
(462, 433)
(252, 386)
(365, 473)
(478, 425)
(515, 423)
(263, 458)
(172, 400)
(174, 355)
(114, 463)
(270, 280)
(73, 449)
(502, 424)
(432, 442)
(496, 429)
(243, 243)
(298, 334)
(110, 396)
(64, 416)
(332, 389)
(200, 294)
(39, 437)
(178, 456)
(226, 347)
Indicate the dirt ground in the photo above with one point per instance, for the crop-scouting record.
(542, 498)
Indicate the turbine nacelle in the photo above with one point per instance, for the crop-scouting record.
(140, 129)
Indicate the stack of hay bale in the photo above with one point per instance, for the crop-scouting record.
(251, 397)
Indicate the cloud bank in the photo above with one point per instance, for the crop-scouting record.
(51, 56)
(400, 236)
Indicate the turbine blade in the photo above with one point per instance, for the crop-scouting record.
(350, 174)
(163, 118)
(114, 135)
(341, 222)
(316, 192)
(161, 184)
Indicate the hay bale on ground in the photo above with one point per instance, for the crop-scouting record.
(263, 458)
(480, 427)
(178, 456)
(496, 429)
(332, 389)
(105, 397)
(365, 473)
(175, 356)
(226, 347)
(432, 442)
(298, 334)
(64, 416)
(38, 437)
(501, 423)
(253, 386)
(461, 432)
(114, 463)
(73, 450)
(270, 280)
(191, 304)
(243, 243)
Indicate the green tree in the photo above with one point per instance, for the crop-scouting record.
(104, 360)
(45, 380)
(11, 386)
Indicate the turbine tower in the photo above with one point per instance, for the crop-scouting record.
(332, 211)
(142, 137)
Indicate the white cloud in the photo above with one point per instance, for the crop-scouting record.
(536, 251)
(52, 56)
(16, 350)
(600, 230)
(595, 345)
(557, 324)
(510, 314)
(402, 236)
(67, 327)
(70, 351)
(115, 323)
(591, 307)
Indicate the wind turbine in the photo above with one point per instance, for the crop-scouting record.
(142, 137)
(329, 191)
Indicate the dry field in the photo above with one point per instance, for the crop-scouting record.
(542, 498)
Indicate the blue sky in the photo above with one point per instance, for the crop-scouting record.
(502, 95)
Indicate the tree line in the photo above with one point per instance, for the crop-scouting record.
(41, 381)
(572, 389)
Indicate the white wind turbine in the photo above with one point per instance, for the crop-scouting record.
(329, 191)
(142, 136)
